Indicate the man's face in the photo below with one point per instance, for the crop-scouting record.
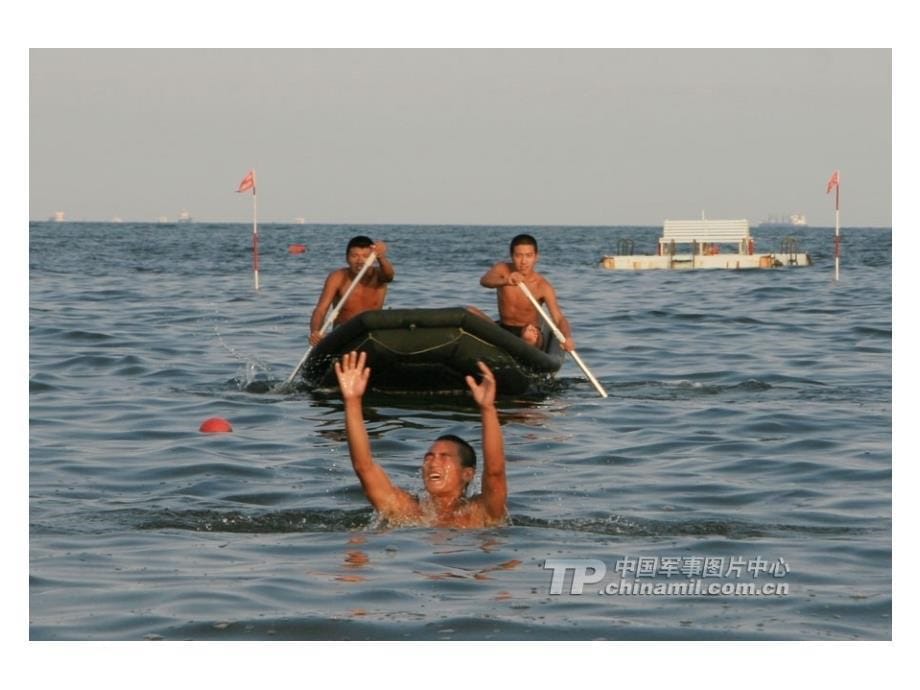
(524, 258)
(442, 470)
(356, 258)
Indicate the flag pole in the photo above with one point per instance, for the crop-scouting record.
(249, 182)
(837, 234)
(834, 183)
(255, 239)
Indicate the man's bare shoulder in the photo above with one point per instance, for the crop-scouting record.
(539, 278)
(481, 514)
(403, 508)
(380, 278)
(543, 285)
(337, 276)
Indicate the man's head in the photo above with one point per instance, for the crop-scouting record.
(449, 466)
(524, 253)
(357, 251)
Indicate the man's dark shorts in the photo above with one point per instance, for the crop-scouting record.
(516, 330)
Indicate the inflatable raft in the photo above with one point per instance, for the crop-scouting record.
(432, 350)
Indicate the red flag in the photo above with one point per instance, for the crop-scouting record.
(249, 182)
(833, 182)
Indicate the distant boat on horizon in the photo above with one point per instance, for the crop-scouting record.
(184, 217)
(793, 220)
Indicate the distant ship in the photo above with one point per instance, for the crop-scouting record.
(795, 220)
(58, 217)
(184, 217)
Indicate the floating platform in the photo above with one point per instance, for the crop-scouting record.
(642, 262)
(706, 239)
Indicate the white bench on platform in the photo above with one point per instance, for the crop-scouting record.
(709, 232)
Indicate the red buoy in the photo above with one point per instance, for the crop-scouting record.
(297, 248)
(215, 425)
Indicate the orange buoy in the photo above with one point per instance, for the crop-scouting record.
(215, 425)
(297, 248)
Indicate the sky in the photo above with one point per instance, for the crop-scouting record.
(575, 136)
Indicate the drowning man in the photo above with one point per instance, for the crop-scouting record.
(447, 469)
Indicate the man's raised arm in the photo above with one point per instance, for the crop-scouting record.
(323, 304)
(386, 498)
(555, 311)
(387, 272)
(494, 482)
(496, 277)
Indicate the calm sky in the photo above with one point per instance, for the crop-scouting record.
(481, 136)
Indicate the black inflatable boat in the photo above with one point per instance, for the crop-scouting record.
(432, 350)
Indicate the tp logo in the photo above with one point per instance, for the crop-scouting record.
(579, 568)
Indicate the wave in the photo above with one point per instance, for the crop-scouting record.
(618, 525)
(336, 520)
(272, 522)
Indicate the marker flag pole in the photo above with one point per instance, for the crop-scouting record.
(834, 183)
(249, 182)
(255, 242)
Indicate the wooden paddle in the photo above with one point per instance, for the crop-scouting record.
(333, 313)
(561, 339)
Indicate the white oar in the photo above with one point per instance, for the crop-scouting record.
(330, 317)
(561, 339)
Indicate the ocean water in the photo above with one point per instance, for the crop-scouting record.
(743, 457)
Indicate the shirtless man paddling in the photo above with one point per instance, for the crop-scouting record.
(517, 313)
(369, 294)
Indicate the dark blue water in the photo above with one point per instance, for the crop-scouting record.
(749, 422)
